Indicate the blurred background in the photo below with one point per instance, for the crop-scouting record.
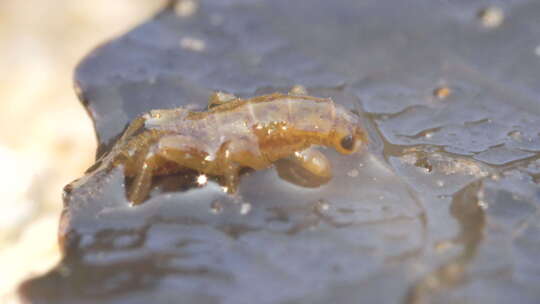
(46, 138)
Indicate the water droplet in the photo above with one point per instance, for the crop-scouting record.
(491, 17)
(353, 173)
(245, 208)
(516, 135)
(322, 205)
(480, 195)
(192, 44)
(220, 97)
(186, 8)
(483, 204)
(202, 180)
(298, 90)
(442, 92)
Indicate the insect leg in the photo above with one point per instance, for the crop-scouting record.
(133, 127)
(142, 168)
(185, 151)
(231, 178)
(229, 167)
(139, 189)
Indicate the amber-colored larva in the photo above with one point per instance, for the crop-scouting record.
(231, 134)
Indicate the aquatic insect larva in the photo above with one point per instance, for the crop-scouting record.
(232, 134)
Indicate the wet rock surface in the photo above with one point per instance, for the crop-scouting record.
(442, 207)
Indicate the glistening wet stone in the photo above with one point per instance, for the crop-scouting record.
(442, 207)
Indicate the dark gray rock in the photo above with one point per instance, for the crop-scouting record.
(441, 208)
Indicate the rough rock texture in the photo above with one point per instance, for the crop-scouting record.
(442, 208)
